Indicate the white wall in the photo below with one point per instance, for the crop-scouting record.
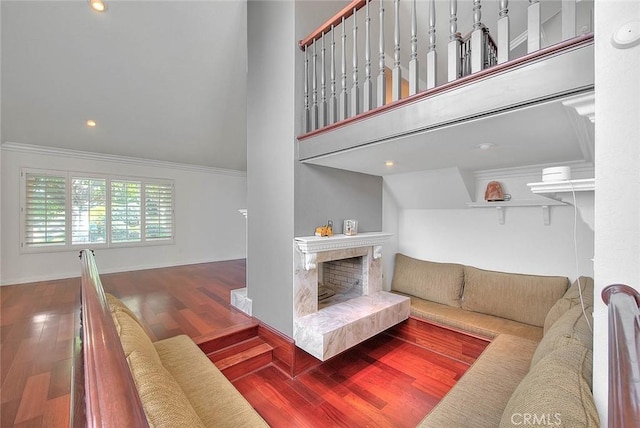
(523, 244)
(208, 226)
(617, 214)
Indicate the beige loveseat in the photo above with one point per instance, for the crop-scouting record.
(176, 382)
(536, 371)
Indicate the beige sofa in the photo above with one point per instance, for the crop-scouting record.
(536, 371)
(176, 382)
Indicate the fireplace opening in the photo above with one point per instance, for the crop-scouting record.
(340, 280)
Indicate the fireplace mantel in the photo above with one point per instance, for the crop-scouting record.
(317, 244)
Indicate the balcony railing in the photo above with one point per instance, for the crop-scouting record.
(337, 88)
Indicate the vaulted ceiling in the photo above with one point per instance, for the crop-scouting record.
(164, 80)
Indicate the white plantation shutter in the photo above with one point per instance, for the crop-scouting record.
(126, 201)
(45, 210)
(88, 210)
(158, 211)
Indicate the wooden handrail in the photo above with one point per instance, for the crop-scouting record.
(336, 19)
(624, 351)
(107, 390)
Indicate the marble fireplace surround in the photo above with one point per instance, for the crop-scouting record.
(326, 332)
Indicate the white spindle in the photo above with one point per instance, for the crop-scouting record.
(533, 26)
(314, 89)
(344, 102)
(382, 82)
(306, 119)
(333, 100)
(453, 51)
(477, 45)
(396, 74)
(568, 19)
(323, 86)
(413, 61)
(367, 86)
(431, 54)
(503, 32)
(355, 91)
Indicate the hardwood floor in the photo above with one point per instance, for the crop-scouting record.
(389, 380)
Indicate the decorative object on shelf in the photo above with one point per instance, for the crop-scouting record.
(326, 230)
(350, 227)
(494, 192)
(556, 173)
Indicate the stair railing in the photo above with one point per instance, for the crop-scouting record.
(624, 354)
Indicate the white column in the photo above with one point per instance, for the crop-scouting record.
(568, 19)
(533, 26)
(413, 62)
(367, 86)
(453, 49)
(314, 89)
(344, 102)
(477, 45)
(503, 32)
(396, 73)
(431, 53)
(355, 91)
(382, 82)
(333, 100)
(323, 86)
(307, 116)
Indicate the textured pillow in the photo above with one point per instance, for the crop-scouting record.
(116, 305)
(571, 329)
(522, 298)
(570, 299)
(164, 402)
(554, 393)
(436, 282)
(133, 337)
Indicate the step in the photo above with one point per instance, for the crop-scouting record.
(234, 349)
(245, 361)
(226, 337)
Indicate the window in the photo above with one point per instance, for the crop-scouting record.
(46, 214)
(65, 210)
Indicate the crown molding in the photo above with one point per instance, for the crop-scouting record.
(92, 156)
(586, 168)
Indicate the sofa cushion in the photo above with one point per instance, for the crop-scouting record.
(478, 399)
(116, 305)
(216, 401)
(164, 403)
(571, 329)
(472, 322)
(554, 392)
(570, 299)
(523, 298)
(437, 282)
(133, 337)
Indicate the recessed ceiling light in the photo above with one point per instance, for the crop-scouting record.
(98, 5)
(485, 146)
(389, 163)
(91, 123)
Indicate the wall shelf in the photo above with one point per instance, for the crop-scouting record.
(500, 206)
(582, 185)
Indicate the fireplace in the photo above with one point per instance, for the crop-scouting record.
(338, 297)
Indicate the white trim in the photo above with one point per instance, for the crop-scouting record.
(77, 154)
(581, 167)
(315, 244)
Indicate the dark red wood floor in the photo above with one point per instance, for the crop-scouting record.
(388, 381)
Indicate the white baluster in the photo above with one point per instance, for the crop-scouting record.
(344, 101)
(533, 26)
(355, 91)
(477, 44)
(323, 86)
(568, 19)
(503, 32)
(314, 89)
(396, 73)
(413, 62)
(333, 100)
(306, 119)
(431, 54)
(367, 86)
(382, 82)
(454, 56)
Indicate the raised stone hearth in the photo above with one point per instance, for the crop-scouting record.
(326, 331)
